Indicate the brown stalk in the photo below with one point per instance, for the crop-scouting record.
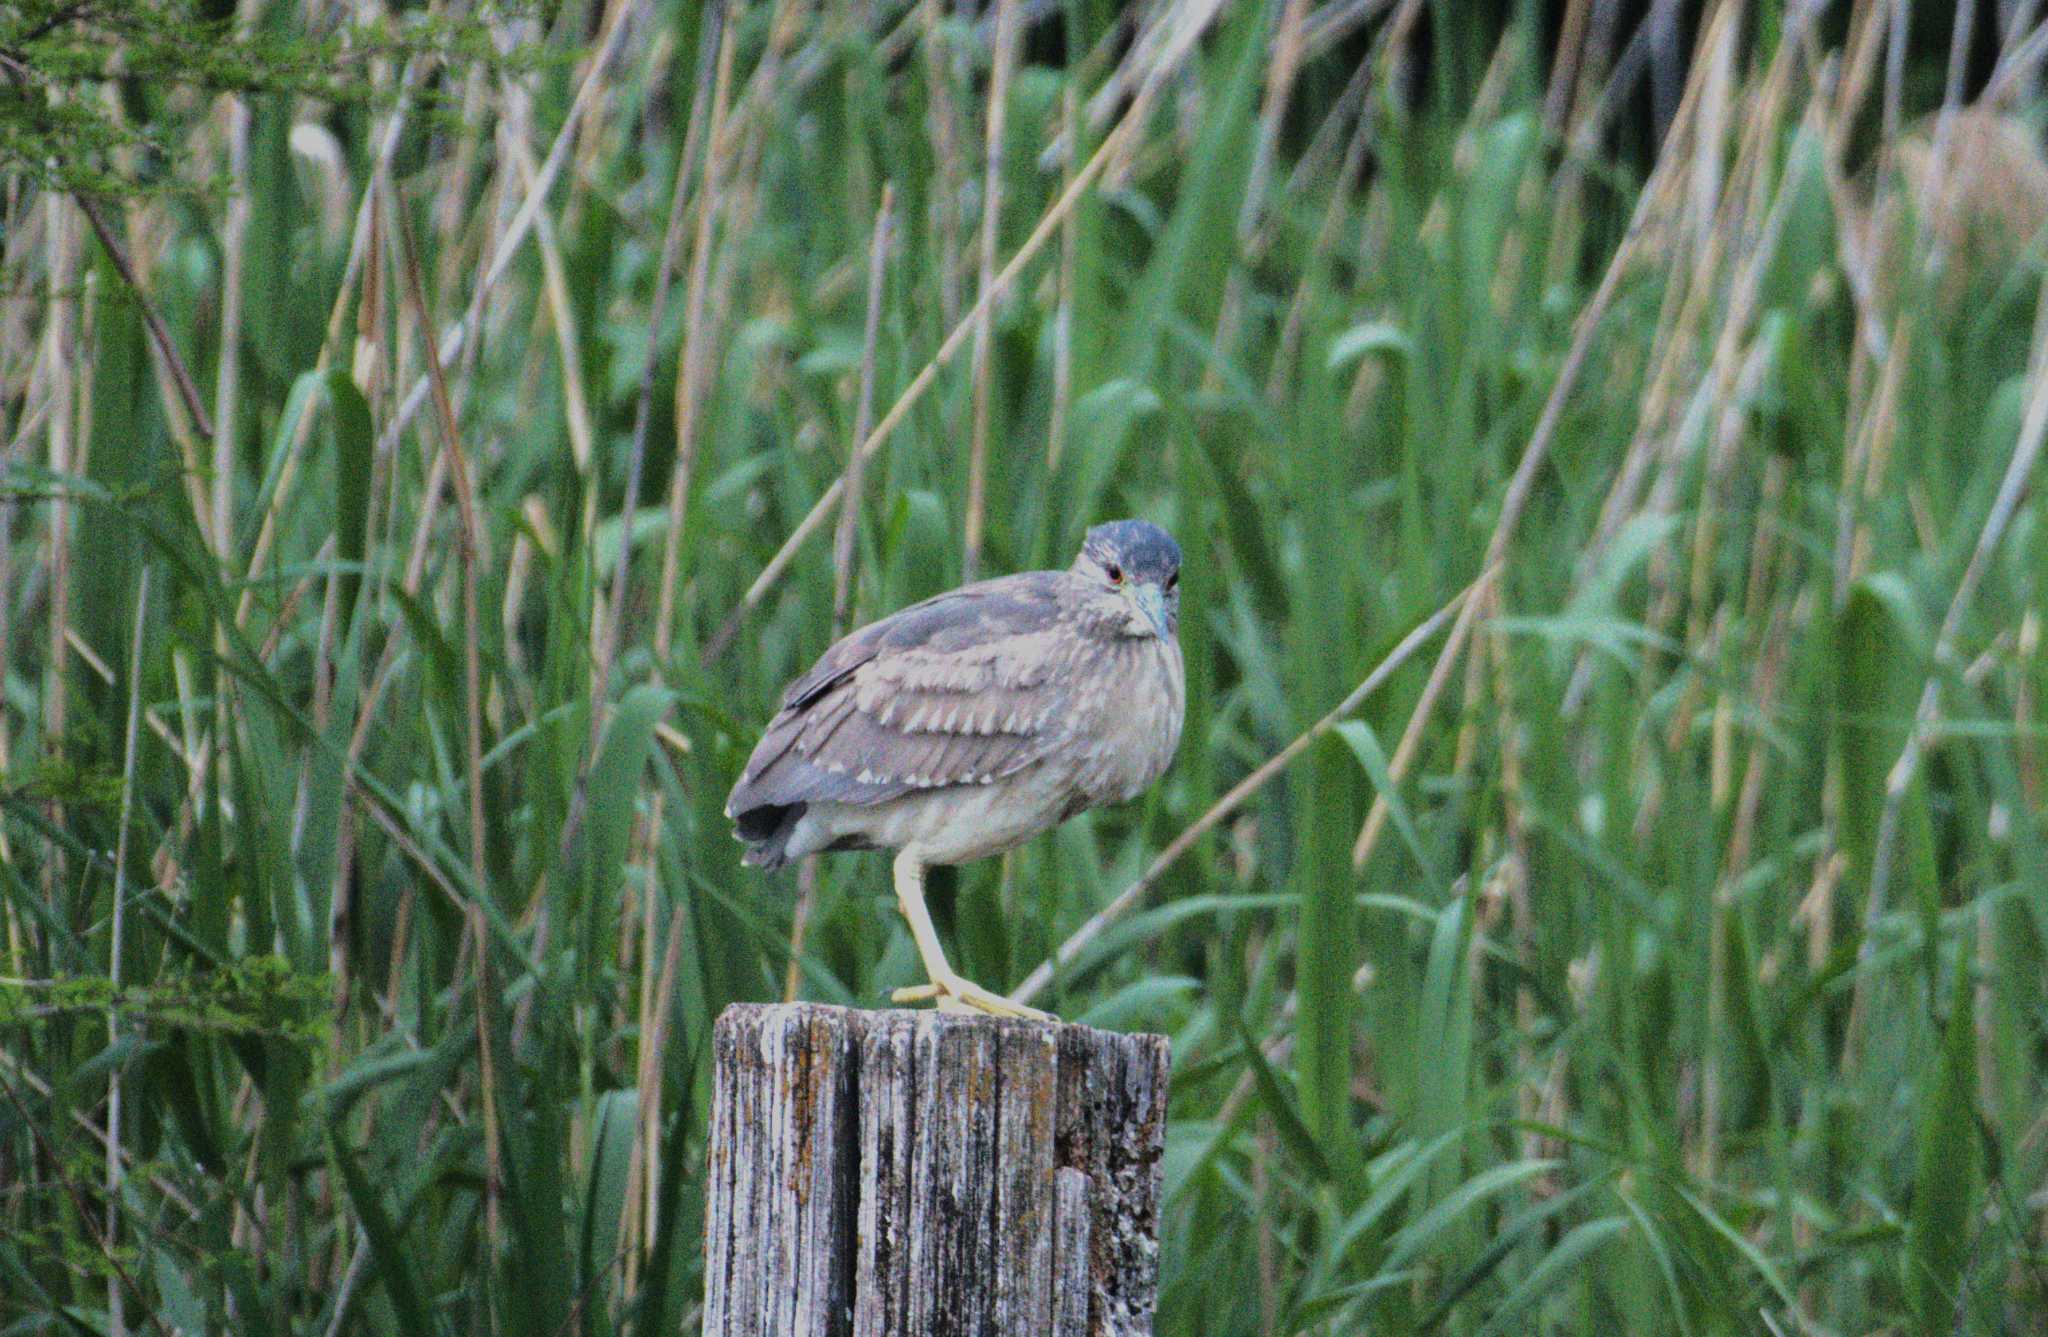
(487, 1079)
(1564, 66)
(79, 1204)
(465, 502)
(15, 945)
(61, 357)
(1128, 899)
(1063, 312)
(1411, 736)
(118, 1319)
(1285, 62)
(945, 133)
(1281, 372)
(181, 375)
(671, 253)
(507, 249)
(863, 416)
(843, 549)
(1047, 225)
(696, 342)
(2012, 490)
(561, 318)
(1004, 58)
(643, 1168)
(641, 1205)
(361, 264)
(1770, 661)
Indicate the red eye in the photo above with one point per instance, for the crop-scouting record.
(1173, 580)
(1116, 574)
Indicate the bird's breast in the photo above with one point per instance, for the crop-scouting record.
(1128, 727)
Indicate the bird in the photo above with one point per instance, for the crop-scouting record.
(961, 727)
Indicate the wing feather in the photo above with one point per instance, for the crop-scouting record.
(963, 689)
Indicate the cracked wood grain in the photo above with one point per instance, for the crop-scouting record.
(882, 1174)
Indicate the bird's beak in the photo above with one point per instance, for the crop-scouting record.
(1150, 601)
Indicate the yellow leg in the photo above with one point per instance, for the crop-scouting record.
(953, 994)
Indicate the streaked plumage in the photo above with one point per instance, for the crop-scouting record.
(963, 726)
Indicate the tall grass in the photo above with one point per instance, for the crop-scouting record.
(1662, 946)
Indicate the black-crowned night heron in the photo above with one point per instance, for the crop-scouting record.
(965, 725)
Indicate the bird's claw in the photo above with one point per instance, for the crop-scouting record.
(959, 997)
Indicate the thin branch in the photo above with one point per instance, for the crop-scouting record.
(118, 1319)
(1127, 899)
(188, 389)
(465, 505)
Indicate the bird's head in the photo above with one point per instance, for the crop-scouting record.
(1130, 574)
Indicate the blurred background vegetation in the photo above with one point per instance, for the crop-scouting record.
(1660, 945)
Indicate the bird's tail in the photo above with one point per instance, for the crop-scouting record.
(766, 831)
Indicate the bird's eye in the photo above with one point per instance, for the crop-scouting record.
(1173, 580)
(1116, 574)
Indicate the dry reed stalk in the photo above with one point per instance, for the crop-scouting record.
(1731, 378)
(864, 412)
(943, 125)
(1284, 63)
(1411, 736)
(469, 551)
(1870, 452)
(643, 1166)
(1319, 159)
(2012, 489)
(1770, 661)
(1130, 896)
(227, 382)
(843, 545)
(60, 358)
(642, 1198)
(561, 311)
(117, 1318)
(1524, 480)
(362, 264)
(1003, 58)
(1578, 131)
(1564, 66)
(1280, 372)
(487, 1079)
(459, 335)
(1132, 120)
(1063, 311)
(160, 335)
(2017, 75)
(16, 941)
(696, 341)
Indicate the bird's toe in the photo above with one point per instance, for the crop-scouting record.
(961, 997)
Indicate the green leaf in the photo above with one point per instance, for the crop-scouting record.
(1365, 745)
(1286, 1119)
(1557, 1267)
(1942, 1227)
(393, 1262)
(354, 441)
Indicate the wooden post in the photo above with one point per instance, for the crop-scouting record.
(911, 1174)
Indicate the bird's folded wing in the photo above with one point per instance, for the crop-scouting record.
(964, 689)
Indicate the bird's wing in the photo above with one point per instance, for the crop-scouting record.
(962, 689)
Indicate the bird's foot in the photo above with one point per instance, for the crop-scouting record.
(960, 997)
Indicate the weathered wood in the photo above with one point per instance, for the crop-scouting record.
(890, 1174)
